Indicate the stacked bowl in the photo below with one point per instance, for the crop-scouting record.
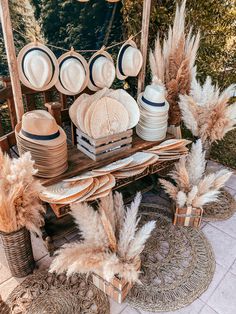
(154, 108)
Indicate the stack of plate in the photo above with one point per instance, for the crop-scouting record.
(171, 149)
(86, 187)
(154, 108)
(48, 151)
(105, 113)
(140, 162)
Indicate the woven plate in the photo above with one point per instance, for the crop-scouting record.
(223, 209)
(177, 265)
(44, 293)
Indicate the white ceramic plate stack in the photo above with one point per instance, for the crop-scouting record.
(105, 113)
(154, 108)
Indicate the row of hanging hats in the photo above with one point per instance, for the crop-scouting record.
(39, 68)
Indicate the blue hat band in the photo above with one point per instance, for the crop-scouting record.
(154, 104)
(41, 137)
(91, 68)
(121, 55)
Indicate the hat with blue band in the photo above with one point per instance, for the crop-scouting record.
(38, 67)
(73, 73)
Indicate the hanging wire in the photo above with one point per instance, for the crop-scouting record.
(87, 50)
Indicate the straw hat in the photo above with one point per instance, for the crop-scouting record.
(73, 73)
(39, 127)
(38, 67)
(108, 117)
(153, 99)
(129, 103)
(102, 71)
(129, 60)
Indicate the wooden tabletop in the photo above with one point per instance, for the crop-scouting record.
(79, 162)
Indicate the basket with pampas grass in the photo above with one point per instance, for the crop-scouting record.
(20, 211)
(193, 189)
(111, 245)
(207, 113)
(171, 64)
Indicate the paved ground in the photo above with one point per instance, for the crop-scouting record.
(218, 299)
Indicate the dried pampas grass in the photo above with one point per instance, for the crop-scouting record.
(192, 188)
(96, 253)
(206, 111)
(20, 205)
(172, 63)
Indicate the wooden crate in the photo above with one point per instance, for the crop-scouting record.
(188, 216)
(98, 149)
(117, 288)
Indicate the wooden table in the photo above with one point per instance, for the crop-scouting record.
(79, 162)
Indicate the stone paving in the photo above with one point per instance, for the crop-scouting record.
(220, 297)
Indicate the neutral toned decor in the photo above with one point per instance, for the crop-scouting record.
(20, 209)
(207, 112)
(192, 189)
(177, 265)
(43, 292)
(171, 63)
(112, 243)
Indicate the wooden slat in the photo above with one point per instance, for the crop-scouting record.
(8, 141)
(63, 100)
(12, 112)
(11, 57)
(144, 43)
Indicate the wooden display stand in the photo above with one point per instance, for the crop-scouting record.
(188, 217)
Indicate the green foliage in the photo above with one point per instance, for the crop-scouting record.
(214, 18)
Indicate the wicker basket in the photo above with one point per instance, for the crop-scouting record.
(18, 251)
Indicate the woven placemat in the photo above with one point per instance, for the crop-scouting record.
(177, 265)
(45, 293)
(223, 209)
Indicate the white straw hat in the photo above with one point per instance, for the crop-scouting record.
(73, 73)
(153, 99)
(38, 67)
(39, 126)
(102, 71)
(129, 60)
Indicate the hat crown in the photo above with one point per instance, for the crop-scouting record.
(154, 93)
(103, 72)
(72, 75)
(38, 68)
(131, 59)
(39, 122)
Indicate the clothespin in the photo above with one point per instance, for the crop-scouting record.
(72, 50)
(103, 48)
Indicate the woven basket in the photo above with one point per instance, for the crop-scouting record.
(18, 251)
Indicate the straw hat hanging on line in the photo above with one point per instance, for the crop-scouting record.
(38, 66)
(73, 73)
(129, 60)
(101, 70)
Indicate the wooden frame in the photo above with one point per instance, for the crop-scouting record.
(12, 62)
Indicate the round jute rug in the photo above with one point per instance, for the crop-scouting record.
(45, 293)
(177, 265)
(223, 209)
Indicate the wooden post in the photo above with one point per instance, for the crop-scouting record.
(11, 57)
(55, 109)
(144, 42)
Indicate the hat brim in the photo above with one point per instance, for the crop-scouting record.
(49, 143)
(20, 59)
(79, 57)
(152, 108)
(118, 73)
(104, 53)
